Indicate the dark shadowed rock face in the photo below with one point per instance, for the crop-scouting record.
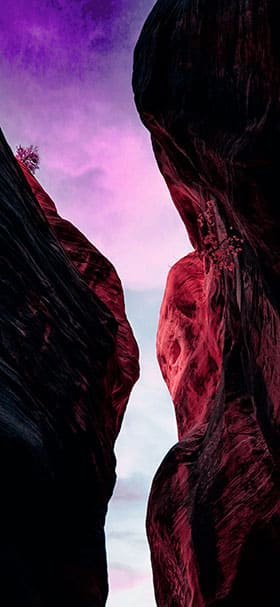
(206, 82)
(68, 363)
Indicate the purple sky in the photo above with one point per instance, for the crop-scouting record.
(65, 78)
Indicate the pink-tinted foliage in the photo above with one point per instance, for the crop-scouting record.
(29, 155)
(221, 253)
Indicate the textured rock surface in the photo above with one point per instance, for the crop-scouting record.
(206, 82)
(100, 275)
(68, 362)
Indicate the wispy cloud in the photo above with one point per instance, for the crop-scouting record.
(148, 432)
(96, 158)
(124, 578)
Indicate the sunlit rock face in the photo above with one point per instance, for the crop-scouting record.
(68, 363)
(206, 83)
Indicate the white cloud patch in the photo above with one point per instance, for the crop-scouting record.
(147, 434)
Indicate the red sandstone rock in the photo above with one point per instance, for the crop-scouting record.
(68, 361)
(207, 84)
(101, 277)
(189, 342)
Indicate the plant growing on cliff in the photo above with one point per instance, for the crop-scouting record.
(29, 156)
(221, 253)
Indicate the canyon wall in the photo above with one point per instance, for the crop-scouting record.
(68, 363)
(206, 84)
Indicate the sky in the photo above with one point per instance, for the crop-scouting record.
(65, 81)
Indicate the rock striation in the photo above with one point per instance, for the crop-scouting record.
(68, 363)
(206, 82)
(101, 277)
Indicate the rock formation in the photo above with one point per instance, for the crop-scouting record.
(101, 277)
(68, 363)
(206, 83)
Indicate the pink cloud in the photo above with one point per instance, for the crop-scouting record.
(125, 578)
(116, 196)
(96, 157)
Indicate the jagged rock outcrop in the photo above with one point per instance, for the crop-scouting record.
(206, 82)
(68, 363)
